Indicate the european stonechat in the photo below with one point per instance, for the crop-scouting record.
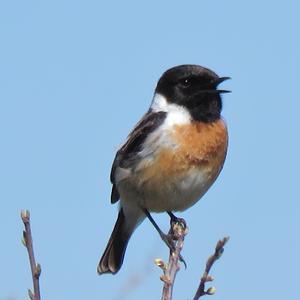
(172, 156)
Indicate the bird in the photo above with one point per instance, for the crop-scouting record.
(171, 157)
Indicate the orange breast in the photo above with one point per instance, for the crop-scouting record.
(202, 144)
(199, 145)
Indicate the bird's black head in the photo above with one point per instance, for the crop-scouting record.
(195, 88)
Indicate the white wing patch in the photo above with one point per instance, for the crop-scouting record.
(121, 174)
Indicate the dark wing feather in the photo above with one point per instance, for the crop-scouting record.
(115, 196)
(128, 152)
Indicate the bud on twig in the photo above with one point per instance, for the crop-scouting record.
(211, 291)
(159, 262)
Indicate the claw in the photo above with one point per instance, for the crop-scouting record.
(183, 261)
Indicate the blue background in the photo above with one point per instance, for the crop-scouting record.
(75, 76)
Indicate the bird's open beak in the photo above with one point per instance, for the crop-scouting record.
(214, 85)
(220, 80)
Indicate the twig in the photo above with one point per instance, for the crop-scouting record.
(178, 232)
(206, 277)
(35, 268)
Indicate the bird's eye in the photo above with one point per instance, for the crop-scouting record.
(186, 82)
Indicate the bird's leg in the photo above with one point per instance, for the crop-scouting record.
(167, 238)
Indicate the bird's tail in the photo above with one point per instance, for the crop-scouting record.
(112, 258)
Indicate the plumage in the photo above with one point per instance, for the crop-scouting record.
(179, 172)
(172, 156)
(115, 250)
(128, 154)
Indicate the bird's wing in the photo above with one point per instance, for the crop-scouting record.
(128, 155)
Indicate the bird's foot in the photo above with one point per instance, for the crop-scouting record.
(175, 221)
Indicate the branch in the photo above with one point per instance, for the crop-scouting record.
(178, 231)
(35, 268)
(206, 277)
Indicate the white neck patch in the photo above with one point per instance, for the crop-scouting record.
(176, 114)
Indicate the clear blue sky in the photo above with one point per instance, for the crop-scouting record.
(71, 70)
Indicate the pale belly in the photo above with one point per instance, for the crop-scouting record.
(167, 194)
(180, 194)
